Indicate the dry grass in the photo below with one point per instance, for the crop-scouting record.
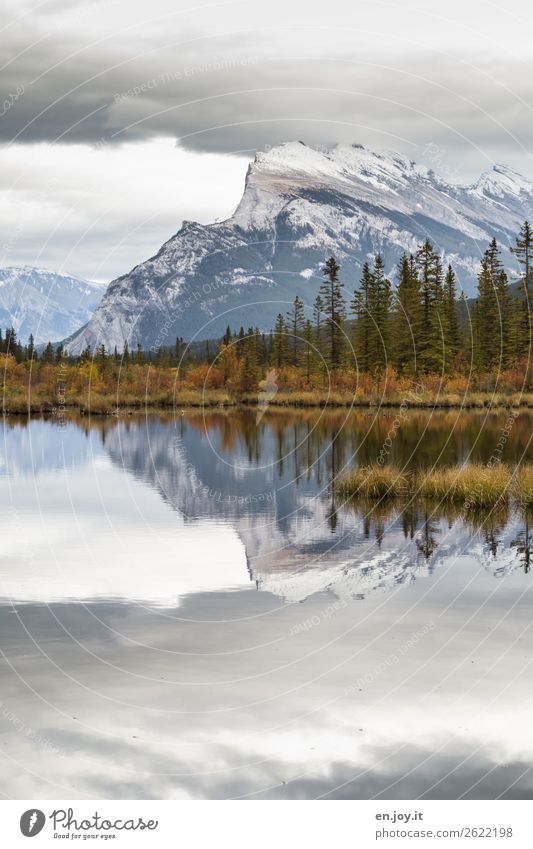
(523, 486)
(374, 482)
(471, 486)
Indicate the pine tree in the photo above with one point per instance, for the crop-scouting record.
(492, 313)
(295, 323)
(523, 250)
(406, 318)
(360, 308)
(380, 307)
(227, 361)
(31, 348)
(48, 354)
(451, 323)
(309, 353)
(318, 312)
(432, 343)
(240, 345)
(248, 371)
(280, 342)
(334, 312)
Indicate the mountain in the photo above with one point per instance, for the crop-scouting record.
(300, 205)
(45, 303)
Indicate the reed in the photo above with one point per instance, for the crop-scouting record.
(472, 486)
(374, 482)
(469, 487)
(523, 486)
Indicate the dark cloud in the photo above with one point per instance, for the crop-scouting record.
(237, 93)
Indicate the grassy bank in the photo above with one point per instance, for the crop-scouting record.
(41, 400)
(471, 487)
(101, 388)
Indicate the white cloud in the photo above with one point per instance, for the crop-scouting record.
(96, 211)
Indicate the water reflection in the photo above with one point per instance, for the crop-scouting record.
(274, 484)
(188, 611)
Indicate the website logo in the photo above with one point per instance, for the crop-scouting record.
(32, 822)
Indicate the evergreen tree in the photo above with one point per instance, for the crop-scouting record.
(334, 312)
(280, 342)
(240, 345)
(451, 323)
(523, 250)
(406, 318)
(48, 354)
(318, 312)
(309, 354)
(380, 307)
(295, 323)
(30, 352)
(360, 307)
(492, 313)
(249, 372)
(432, 322)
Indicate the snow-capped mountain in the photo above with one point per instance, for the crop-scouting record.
(284, 522)
(299, 205)
(45, 303)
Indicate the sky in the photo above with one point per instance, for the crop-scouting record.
(119, 119)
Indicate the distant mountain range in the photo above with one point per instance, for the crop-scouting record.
(300, 205)
(45, 303)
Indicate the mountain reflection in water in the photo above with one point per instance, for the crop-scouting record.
(188, 610)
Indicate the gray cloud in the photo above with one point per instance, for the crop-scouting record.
(233, 77)
(227, 93)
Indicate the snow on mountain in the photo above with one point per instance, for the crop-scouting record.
(45, 303)
(292, 550)
(300, 205)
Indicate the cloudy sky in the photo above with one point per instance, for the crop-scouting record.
(119, 119)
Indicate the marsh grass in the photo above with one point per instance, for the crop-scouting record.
(472, 487)
(523, 486)
(374, 482)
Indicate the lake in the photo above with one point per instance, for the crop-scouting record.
(187, 610)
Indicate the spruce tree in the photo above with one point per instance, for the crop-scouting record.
(431, 343)
(318, 312)
(309, 353)
(523, 250)
(360, 308)
(406, 318)
(31, 348)
(451, 326)
(295, 323)
(334, 312)
(492, 313)
(48, 353)
(279, 342)
(380, 307)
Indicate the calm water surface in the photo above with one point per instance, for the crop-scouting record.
(188, 611)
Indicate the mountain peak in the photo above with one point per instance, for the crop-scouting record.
(501, 180)
(300, 204)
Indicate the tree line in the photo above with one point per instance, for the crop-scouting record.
(419, 326)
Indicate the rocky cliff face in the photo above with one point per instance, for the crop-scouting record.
(299, 205)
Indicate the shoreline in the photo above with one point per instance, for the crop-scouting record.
(197, 401)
